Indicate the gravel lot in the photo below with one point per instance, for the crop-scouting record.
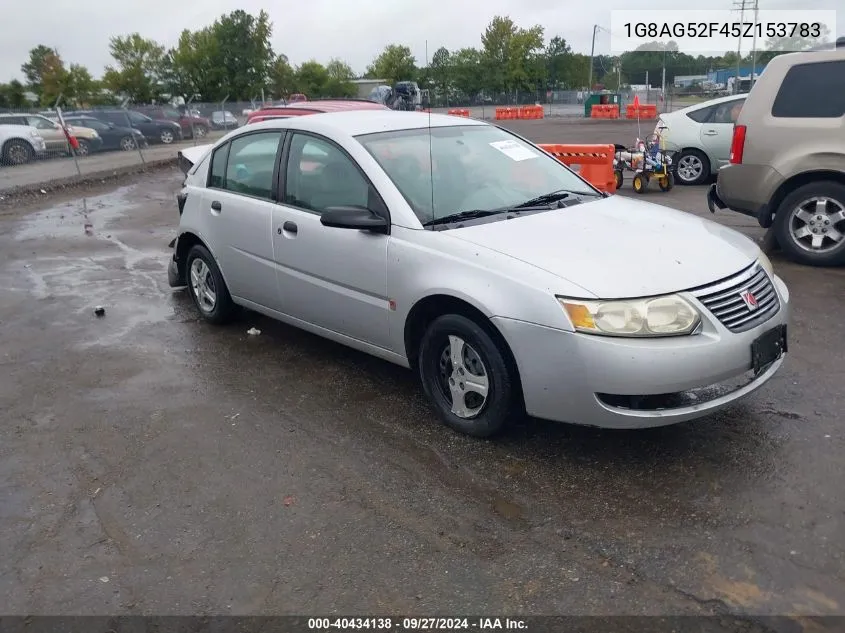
(152, 464)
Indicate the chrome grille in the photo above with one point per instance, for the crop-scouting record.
(725, 302)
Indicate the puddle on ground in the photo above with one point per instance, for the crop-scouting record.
(78, 218)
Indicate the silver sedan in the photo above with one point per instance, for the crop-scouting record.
(460, 250)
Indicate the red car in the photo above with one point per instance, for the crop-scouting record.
(190, 125)
(313, 107)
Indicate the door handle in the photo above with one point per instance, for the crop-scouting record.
(711, 133)
(216, 206)
(290, 227)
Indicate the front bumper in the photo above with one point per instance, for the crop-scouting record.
(585, 379)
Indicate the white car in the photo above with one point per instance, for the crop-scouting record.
(464, 251)
(701, 135)
(20, 144)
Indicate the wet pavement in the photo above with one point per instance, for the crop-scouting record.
(150, 463)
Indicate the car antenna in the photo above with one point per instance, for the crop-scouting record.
(430, 152)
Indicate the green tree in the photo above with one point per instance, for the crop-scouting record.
(466, 70)
(81, 88)
(242, 50)
(282, 77)
(192, 66)
(312, 78)
(558, 56)
(139, 67)
(780, 45)
(440, 71)
(54, 80)
(394, 64)
(12, 95)
(33, 69)
(340, 79)
(511, 56)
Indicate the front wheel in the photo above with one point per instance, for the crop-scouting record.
(17, 152)
(127, 143)
(167, 137)
(619, 178)
(810, 224)
(667, 182)
(207, 287)
(639, 183)
(200, 131)
(465, 376)
(84, 148)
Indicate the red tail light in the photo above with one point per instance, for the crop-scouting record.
(737, 144)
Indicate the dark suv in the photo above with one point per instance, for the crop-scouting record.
(191, 125)
(155, 131)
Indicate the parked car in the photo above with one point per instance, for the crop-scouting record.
(701, 136)
(155, 131)
(20, 144)
(54, 136)
(297, 97)
(224, 120)
(462, 250)
(114, 137)
(313, 107)
(191, 125)
(787, 163)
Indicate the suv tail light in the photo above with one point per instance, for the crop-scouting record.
(737, 144)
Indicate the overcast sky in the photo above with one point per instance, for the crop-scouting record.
(355, 30)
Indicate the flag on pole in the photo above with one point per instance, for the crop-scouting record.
(71, 139)
(636, 102)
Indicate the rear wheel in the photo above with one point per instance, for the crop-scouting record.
(465, 376)
(207, 287)
(127, 143)
(167, 137)
(200, 131)
(810, 224)
(667, 182)
(692, 167)
(17, 152)
(619, 178)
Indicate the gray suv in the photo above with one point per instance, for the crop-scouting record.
(787, 163)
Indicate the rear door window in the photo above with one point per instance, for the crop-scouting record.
(812, 91)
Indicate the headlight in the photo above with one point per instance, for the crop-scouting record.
(766, 264)
(34, 134)
(669, 315)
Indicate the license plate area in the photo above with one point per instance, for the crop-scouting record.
(767, 348)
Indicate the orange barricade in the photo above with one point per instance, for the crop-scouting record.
(595, 162)
(506, 113)
(459, 112)
(531, 112)
(604, 111)
(646, 111)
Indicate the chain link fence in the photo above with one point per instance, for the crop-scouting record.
(35, 148)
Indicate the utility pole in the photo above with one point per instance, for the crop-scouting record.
(741, 6)
(663, 80)
(592, 55)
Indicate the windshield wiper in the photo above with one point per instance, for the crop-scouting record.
(554, 196)
(464, 215)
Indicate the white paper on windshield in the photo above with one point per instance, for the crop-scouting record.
(513, 150)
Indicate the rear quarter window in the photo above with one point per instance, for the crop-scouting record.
(806, 93)
(701, 115)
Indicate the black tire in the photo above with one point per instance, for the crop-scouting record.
(667, 183)
(493, 414)
(620, 178)
(200, 131)
(224, 308)
(639, 183)
(127, 143)
(17, 152)
(693, 154)
(167, 136)
(786, 223)
(84, 148)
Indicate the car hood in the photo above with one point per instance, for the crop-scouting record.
(166, 122)
(619, 248)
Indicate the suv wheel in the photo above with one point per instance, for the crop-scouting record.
(810, 224)
(692, 167)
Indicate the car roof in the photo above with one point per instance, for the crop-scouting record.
(360, 122)
(707, 104)
(328, 105)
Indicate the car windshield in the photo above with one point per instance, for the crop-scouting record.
(442, 171)
(137, 117)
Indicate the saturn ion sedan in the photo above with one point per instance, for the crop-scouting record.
(462, 251)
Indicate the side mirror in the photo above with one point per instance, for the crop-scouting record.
(353, 218)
